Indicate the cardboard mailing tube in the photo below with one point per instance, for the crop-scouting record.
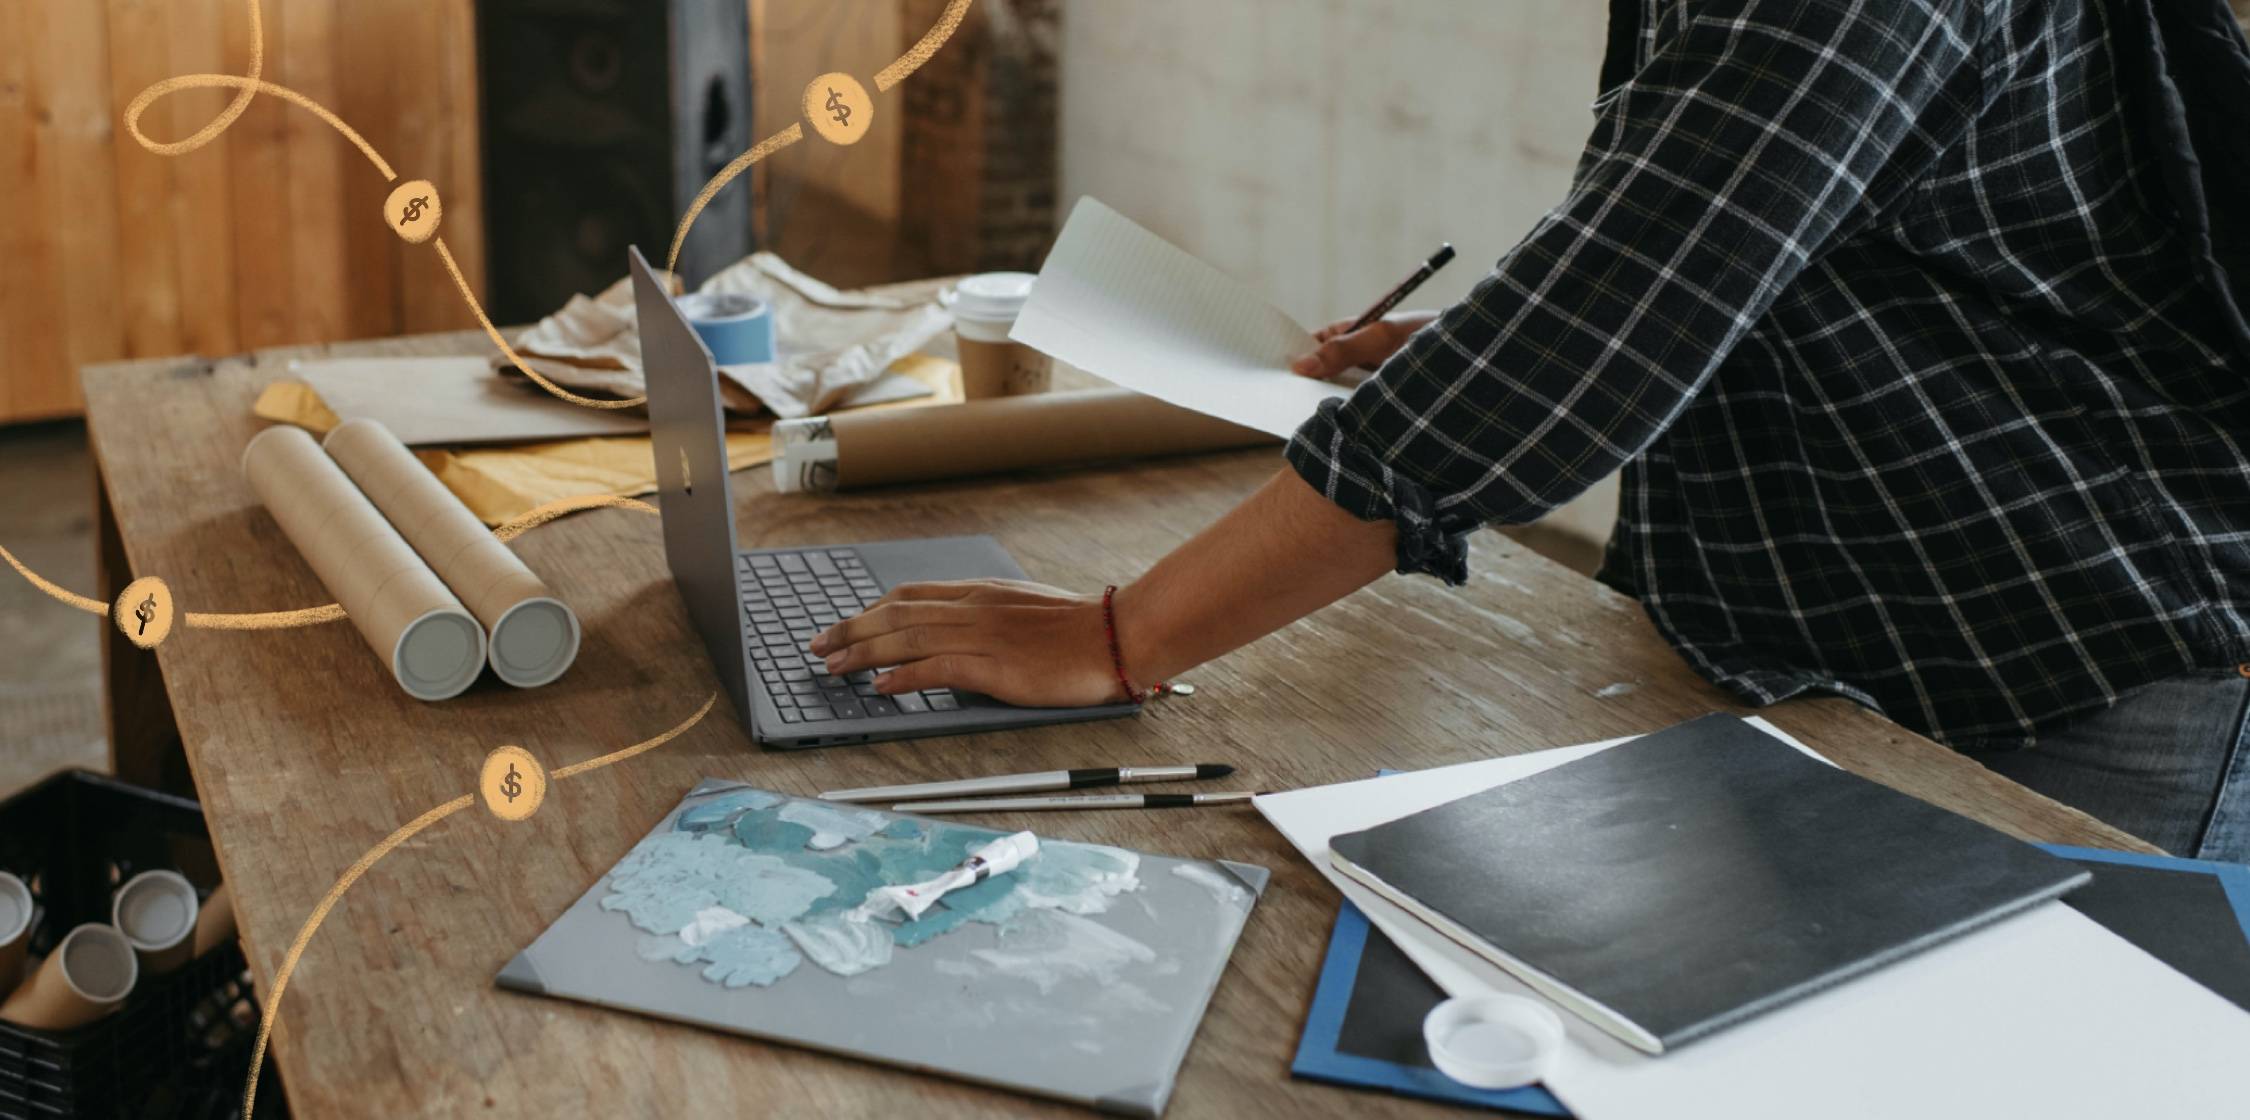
(87, 976)
(533, 636)
(849, 450)
(15, 930)
(214, 920)
(156, 911)
(434, 648)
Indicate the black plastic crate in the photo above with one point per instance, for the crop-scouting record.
(180, 1045)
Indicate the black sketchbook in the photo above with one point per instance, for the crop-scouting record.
(1690, 879)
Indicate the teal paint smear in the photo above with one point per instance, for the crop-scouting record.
(748, 955)
(833, 826)
(668, 877)
(932, 923)
(853, 873)
(992, 902)
(716, 812)
(661, 911)
(765, 831)
(795, 868)
(764, 889)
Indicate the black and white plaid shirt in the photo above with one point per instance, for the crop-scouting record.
(1918, 330)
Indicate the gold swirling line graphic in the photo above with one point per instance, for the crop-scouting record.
(328, 612)
(360, 867)
(252, 84)
(921, 52)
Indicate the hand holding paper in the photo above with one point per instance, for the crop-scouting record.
(1121, 303)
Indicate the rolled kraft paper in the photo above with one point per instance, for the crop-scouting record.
(533, 636)
(433, 645)
(735, 326)
(15, 931)
(878, 447)
(156, 911)
(86, 977)
(214, 920)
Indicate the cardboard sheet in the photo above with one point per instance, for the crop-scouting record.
(501, 483)
(1123, 304)
(463, 401)
(425, 401)
(2046, 1014)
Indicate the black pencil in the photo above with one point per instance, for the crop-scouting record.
(1405, 287)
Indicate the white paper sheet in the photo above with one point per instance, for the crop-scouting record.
(2045, 1014)
(1123, 304)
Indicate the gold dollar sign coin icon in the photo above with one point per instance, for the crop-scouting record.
(412, 211)
(513, 783)
(838, 108)
(143, 612)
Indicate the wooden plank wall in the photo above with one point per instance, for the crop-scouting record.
(832, 211)
(268, 235)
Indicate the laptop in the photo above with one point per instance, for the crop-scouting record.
(757, 610)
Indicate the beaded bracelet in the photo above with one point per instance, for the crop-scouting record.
(1117, 654)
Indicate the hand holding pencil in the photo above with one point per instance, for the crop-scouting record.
(1367, 341)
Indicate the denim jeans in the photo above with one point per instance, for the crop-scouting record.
(2170, 763)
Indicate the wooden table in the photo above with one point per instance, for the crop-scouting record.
(305, 754)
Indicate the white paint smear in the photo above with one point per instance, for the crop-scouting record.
(1048, 947)
(709, 923)
(844, 948)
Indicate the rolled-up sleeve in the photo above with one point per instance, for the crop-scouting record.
(1758, 134)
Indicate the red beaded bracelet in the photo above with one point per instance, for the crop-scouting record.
(1117, 654)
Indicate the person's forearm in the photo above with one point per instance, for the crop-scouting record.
(1281, 555)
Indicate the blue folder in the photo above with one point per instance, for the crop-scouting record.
(1365, 1027)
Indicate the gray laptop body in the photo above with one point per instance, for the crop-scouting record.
(721, 584)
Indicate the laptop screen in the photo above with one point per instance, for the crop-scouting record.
(688, 427)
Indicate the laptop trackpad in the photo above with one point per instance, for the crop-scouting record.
(938, 558)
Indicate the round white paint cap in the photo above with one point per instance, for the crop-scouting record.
(534, 642)
(155, 910)
(15, 910)
(438, 655)
(98, 963)
(1494, 1041)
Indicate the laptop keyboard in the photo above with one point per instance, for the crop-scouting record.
(791, 596)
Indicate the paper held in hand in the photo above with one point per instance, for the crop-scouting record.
(1123, 304)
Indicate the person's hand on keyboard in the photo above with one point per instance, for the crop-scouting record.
(1018, 642)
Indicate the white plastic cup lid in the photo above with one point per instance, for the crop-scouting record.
(993, 297)
(155, 909)
(1493, 1041)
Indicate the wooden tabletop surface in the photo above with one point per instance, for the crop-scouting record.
(305, 754)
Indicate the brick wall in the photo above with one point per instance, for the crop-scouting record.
(978, 165)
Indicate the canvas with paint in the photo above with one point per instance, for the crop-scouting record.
(1081, 975)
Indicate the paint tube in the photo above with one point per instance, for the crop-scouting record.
(997, 858)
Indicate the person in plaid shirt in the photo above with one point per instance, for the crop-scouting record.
(1919, 333)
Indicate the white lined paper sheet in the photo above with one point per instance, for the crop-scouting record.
(1128, 306)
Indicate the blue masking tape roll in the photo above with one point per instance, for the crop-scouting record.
(738, 328)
